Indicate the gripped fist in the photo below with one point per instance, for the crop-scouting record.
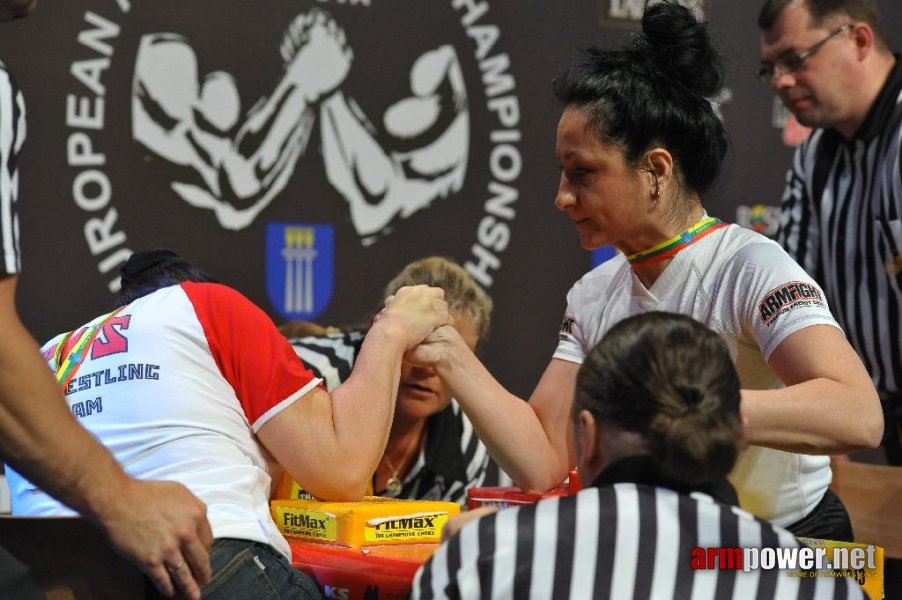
(416, 310)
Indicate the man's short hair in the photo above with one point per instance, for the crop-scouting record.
(826, 11)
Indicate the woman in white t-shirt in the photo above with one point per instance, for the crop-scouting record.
(639, 143)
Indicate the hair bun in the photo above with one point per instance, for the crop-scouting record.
(692, 397)
(679, 46)
(139, 262)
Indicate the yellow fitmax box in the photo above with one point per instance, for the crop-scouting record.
(868, 562)
(374, 521)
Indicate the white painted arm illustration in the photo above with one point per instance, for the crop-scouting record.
(235, 169)
(420, 155)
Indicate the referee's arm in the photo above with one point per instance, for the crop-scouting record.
(798, 233)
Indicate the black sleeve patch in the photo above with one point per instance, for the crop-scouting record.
(567, 325)
(788, 296)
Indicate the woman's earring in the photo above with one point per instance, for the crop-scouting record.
(655, 193)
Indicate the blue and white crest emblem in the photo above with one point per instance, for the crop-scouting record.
(300, 268)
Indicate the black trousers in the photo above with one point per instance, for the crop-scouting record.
(828, 521)
(892, 428)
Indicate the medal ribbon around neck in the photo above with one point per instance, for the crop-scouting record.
(66, 367)
(668, 248)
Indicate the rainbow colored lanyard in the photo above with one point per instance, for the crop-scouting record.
(66, 367)
(669, 248)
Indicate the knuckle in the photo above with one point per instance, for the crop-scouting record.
(153, 562)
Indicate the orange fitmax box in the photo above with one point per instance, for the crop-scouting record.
(374, 521)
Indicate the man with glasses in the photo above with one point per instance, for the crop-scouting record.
(831, 64)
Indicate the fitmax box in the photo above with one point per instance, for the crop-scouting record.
(374, 521)
(868, 559)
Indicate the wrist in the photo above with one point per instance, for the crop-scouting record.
(107, 494)
(454, 353)
(389, 332)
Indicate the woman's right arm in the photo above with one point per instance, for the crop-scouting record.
(528, 440)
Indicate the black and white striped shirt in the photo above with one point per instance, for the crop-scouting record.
(12, 135)
(621, 540)
(842, 221)
(451, 460)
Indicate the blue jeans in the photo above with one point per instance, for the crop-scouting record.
(244, 569)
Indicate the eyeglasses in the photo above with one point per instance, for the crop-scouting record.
(792, 62)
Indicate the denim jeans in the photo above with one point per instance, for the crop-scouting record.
(244, 569)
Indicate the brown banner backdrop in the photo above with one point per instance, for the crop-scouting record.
(305, 151)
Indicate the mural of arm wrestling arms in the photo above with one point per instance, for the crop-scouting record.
(235, 169)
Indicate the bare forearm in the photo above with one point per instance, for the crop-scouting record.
(333, 444)
(820, 416)
(514, 434)
(363, 406)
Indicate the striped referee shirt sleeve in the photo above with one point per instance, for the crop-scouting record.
(12, 136)
(475, 456)
(798, 233)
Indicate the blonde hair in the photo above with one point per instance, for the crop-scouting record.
(463, 295)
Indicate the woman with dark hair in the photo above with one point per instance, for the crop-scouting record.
(656, 418)
(147, 272)
(639, 142)
(189, 381)
(662, 387)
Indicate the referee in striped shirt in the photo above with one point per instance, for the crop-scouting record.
(832, 66)
(12, 134)
(656, 416)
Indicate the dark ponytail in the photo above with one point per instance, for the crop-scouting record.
(670, 379)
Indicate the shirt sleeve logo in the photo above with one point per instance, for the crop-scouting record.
(788, 296)
(567, 325)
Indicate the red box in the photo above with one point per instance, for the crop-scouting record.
(504, 497)
(383, 572)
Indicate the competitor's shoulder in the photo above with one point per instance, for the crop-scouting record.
(214, 292)
(747, 247)
(215, 302)
(209, 288)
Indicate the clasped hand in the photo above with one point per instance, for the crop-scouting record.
(417, 311)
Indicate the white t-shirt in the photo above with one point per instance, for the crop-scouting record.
(747, 289)
(175, 386)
